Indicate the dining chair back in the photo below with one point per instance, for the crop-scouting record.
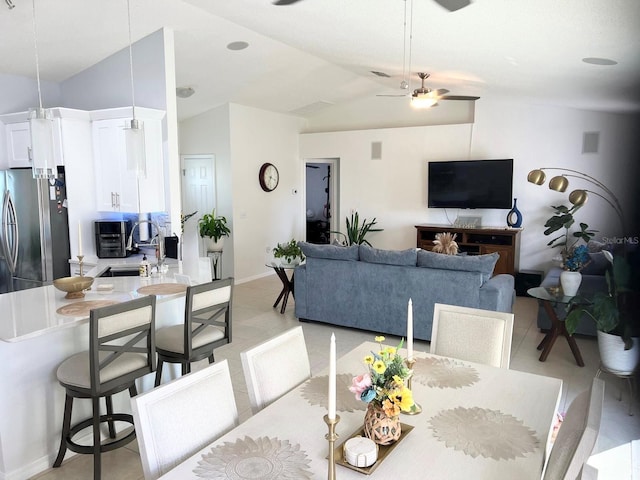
(472, 334)
(121, 349)
(577, 435)
(274, 367)
(178, 418)
(206, 326)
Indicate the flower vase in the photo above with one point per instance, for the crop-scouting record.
(570, 282)
(514, 217)
(379, 427)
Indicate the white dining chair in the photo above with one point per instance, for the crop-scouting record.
(175, 420)
(472, 334)
(577, 435)
(274, 367)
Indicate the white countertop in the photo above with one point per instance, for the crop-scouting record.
(33, 312)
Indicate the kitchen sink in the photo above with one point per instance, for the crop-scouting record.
(120, 272)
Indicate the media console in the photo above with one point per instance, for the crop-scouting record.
(478, 241)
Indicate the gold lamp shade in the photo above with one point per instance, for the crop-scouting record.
(536, 176)
(578, 197)
(559, 183)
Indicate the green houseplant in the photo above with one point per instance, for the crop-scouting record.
(615, 315)
(356, 232)
(214, 227)
(563, 217)
(290, 252)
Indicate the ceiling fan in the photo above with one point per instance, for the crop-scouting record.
(426, 97)
(451, 5)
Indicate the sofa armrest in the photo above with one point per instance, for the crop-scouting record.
(300, 290)
(498, 293)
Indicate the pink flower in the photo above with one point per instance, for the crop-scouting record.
(359, 384)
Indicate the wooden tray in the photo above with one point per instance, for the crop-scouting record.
(383, 450)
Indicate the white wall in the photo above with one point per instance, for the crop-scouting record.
(394, 189)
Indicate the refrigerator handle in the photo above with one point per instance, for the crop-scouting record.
(10, 239)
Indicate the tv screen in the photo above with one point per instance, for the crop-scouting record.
(470, 184)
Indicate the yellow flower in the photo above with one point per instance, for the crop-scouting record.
(379, 367)
(398, 380)
(379, 339)
(368, 359)
(390, 408)
(405, 399)
(390, 350)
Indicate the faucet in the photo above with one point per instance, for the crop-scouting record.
(160, 255)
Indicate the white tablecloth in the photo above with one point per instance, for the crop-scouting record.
(477, 422)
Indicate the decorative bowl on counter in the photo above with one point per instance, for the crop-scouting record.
(74, 286)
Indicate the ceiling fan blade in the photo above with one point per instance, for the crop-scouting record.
(285, 2)
(453, 5)
(442, 91)
(458, 97)
(392, 95)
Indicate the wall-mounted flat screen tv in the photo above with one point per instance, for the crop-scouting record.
(470, 184)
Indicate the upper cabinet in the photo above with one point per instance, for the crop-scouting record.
(119, 189)
(18, 141)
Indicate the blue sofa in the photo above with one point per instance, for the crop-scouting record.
(367, 288)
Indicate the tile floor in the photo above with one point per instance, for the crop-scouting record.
(255, 320)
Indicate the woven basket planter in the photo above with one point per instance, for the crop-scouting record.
(380, 428)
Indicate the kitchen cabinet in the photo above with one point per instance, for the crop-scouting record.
(117, 188)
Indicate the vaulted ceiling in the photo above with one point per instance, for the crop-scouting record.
(322, 52)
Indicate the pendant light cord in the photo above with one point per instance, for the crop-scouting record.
(410, 38)
(35, 42)
(133, 98)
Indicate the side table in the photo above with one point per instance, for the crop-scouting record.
(558, 327)
(216, 264)
(287, 284)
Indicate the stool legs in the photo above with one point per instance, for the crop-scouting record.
(97, 464)
(66, 427)
(158, 372)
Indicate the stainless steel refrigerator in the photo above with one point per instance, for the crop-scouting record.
(34, 230)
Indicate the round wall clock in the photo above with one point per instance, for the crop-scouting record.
(268, 177)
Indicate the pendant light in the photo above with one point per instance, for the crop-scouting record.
(41, 126)
(134, 133)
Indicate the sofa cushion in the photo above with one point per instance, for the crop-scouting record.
(469, 263)
(598, 264)
(332, 252)
(405, 258)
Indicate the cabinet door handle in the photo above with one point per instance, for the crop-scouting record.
(118, 201)
(30, 154)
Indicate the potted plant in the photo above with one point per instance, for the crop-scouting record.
(571, 278)
(356, 231)
(290, 253)
(615, 315)
(564, 218)
(214, 228)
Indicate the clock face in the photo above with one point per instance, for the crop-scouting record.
(268, 177)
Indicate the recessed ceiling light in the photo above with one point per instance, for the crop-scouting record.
(599, 61)
(237, 45)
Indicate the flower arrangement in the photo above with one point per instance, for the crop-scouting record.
(577, 259)
(445, 243)
(383, 385)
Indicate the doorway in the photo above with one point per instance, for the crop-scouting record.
(198, 195)
(321, 212)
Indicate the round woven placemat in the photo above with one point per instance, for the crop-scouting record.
(82, 309)
(163, 289)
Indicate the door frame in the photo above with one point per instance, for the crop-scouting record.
(334, 187)
(201, 156)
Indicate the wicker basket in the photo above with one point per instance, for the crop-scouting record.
(380, 428)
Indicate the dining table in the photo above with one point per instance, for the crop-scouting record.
(477, 421)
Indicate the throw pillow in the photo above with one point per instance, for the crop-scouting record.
(484, 264)
(332, 252)
(388, 257)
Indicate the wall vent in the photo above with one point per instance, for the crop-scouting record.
(590, 142)
(376, 150)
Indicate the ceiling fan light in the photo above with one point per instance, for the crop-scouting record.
(424, 98)
(536, 176)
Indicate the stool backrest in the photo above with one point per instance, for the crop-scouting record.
(122, 343)
(208, 304)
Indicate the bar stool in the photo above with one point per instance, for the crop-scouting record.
(121, 349)
(206, 326)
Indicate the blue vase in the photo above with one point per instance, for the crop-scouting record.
(514, 217)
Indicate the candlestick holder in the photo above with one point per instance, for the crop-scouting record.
(81, 264)
(331, 437)
(415, 408)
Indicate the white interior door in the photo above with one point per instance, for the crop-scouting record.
(198, 194)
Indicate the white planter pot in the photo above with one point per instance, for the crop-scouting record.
(286, 263)
(211, 246)
(570, 282)
(613, 355)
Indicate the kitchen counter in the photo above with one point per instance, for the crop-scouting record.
(35, 339)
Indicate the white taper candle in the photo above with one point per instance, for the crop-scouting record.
(410, 331)
(79, 238)
(332, 378)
